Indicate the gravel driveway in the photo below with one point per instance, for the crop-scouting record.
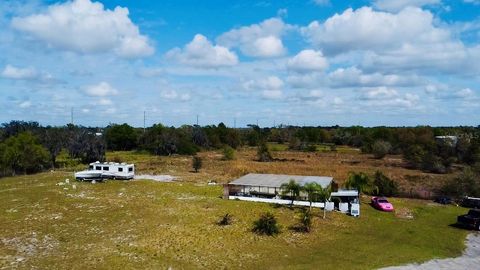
(469, 260)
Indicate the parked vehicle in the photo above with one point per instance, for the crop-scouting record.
(443, 200)
(470, 202)
(382, 204)
(107, 170)
(470, 220)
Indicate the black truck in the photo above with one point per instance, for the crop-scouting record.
(471, 220)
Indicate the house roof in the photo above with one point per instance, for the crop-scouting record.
(276, 180)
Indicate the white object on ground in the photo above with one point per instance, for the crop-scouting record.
(276, 201)
(343, 207)
(329, 206)
(158, 178)
(93, 181)
(67, 181)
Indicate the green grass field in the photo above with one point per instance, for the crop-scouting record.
(146, 224)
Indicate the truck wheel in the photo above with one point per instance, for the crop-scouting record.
(477, 227)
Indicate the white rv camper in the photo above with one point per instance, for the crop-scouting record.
(107, 170)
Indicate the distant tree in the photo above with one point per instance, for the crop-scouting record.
(360, 181)
(465, 184)
(15, 127)
(54, 139)
(23, 153)
(263, 153)
(196, 163)
(291, 189)
(414, 156)
(86, 145)
(121, 137)
(228, 153)
(385, 185)
(381, 148)
(267, 224)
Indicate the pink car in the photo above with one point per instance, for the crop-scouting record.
(382, 204)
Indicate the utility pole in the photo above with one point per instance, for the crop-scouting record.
(197, 119)
(143, 121)
(71, 116)
(234, 122)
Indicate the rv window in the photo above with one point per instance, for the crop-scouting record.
(130, 169)
(91, 167)
(98, 168)
(120, 169)
(105, 168)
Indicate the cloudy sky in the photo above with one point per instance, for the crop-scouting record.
(312, 62)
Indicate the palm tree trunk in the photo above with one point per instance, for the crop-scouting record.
(324, 209)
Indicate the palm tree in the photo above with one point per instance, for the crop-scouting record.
(291, 188)
(312, 189)
(360, 181)
(323, 195)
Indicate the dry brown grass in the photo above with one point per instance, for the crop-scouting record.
(335, 164)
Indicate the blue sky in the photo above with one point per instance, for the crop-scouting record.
(313, 62)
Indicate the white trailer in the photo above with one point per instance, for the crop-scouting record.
(107, 170)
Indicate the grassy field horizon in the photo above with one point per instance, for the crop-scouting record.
(148, 224)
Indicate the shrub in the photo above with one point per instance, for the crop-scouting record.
(465, 184)
(197, 163)
(266, 224)
(225, 220)
(380, 149)
(228, 153)
(414, 156)
(263, 153)
(361, 182)
(305, 219)
(311, 148)
(385, 186)
(333, 148)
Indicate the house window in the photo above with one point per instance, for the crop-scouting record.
(98, 168)
(130, 169)
(105, 168)
(120, 169)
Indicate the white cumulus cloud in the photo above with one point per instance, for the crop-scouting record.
(257, 40)
(16, 73)
(307, 61)
(366, 29)
(383, 96)
(86, 27)
(352, 76)
(200, 52)
(397, 5)
(270, 87)
(171, 94)
(102, 89)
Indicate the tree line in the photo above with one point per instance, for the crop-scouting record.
(27, 147)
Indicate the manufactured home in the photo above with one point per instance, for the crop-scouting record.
(107, 170)
(267, 188)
